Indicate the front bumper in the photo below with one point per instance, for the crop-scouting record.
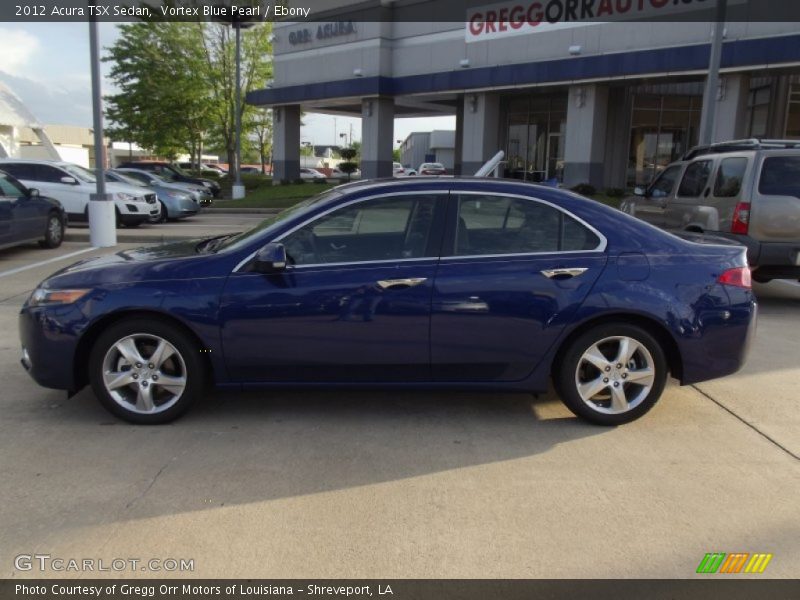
(48, 348)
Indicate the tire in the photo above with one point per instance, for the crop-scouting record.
(615, 398)
(139, 339)
(53, 232)
(164, 214)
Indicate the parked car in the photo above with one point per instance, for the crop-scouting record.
(398, 170)
(25, 216)
(175, 203)
(479, 283)
(312, 175)
(214, 170)
(432, 168)
(172, 173)
(339, 175)
(747, 191)
(410, 172)
(198, 193)
(250, 171)
(73, 186)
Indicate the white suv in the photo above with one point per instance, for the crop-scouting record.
(72, 186)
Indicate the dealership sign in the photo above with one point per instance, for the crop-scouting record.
(323, 32)
(530, 16)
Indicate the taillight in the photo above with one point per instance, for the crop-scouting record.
(741, 218)
(739, 277)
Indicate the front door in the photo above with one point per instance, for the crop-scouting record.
(517, 270)
(652, 206)
(354, 303)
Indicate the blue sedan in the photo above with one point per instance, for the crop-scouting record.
(421, 282)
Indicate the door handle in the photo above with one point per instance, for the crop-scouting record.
(564, 273)
(408, 282)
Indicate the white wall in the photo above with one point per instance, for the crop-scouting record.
(79, 156)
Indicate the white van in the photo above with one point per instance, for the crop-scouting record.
(72, 186)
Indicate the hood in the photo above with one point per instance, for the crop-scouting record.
(165, 261)
(114, 187)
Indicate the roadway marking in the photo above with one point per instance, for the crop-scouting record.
(45, 262)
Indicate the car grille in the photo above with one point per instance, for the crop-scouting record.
(150, 198)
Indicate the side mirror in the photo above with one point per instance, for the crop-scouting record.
(69, 180)
(639, 191)
(33, 193)
(270, 259)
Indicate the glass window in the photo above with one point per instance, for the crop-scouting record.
(665, 182)
(48, 174)
(9, 187)
(729, 177)
(694, 179)
(497, 225)
(380, 229)
(793, 112)
(780, 176)
(19, 170)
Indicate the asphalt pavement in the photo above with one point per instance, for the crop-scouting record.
(402, 484)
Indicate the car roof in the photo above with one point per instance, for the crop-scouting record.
(34, 161)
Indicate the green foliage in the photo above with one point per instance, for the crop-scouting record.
(306, 151)
(177, 87)
(396, 155)
(348, 154)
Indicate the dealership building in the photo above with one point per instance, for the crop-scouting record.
(606, 103)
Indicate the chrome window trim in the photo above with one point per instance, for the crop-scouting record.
(601, 247)
(419, 192)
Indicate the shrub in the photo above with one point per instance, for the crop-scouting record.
(299, 181)
(584, 189)
(615, 192)
(285, 182)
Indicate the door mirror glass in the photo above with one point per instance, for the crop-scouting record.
(68, 180)
(270, 259)
(638, 191)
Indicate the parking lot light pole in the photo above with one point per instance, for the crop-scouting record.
(102, 216)
(712, 81)
(238, 190)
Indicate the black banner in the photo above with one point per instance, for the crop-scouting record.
(552, 11)
(399, 589)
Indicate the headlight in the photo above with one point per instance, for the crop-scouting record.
(123, 196)
(207, 184)
(177, 196)
(42, 296)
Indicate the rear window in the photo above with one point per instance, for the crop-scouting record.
(780, 176)
(729, 177)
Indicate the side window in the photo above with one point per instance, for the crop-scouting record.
(48, 174)
(694, 179)
(18, 170)
(10, 188)
(390, 228)
(729, 177)
(498, 225)
(780, 176)
(665, 182)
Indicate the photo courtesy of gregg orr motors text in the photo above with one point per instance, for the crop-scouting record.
(46, 563)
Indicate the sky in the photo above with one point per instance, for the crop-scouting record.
(47, 66)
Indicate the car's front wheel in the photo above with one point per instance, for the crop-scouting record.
(145, 371)
(54, 231)
(612, 374)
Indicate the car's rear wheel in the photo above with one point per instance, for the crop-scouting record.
(145, 371)
(54, 231)
(612, 374)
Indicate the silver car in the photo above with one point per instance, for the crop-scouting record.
(175, 203)
(747, 191)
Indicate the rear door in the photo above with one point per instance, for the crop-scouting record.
(514, 272)
(775, 207)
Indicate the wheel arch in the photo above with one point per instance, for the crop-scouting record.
(89, 337)
(655, 328)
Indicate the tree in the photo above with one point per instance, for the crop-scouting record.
(218, 44)
(161, 105)
(261, 126)
(396, 155)
(349, 167)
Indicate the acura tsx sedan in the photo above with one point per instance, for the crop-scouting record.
(419, 282)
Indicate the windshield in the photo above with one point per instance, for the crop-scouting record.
(127, 179)
(242, 239)
(176, 169)
(80, 173)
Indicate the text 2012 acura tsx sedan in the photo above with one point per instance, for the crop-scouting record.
(424, 282)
